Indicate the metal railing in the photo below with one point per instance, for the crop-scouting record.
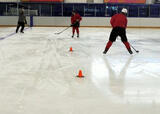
(85, 9)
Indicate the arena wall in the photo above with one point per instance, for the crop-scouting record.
(86, 21)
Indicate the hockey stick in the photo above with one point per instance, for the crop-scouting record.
(62, 30)
(134, 49)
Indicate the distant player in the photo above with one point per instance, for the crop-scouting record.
(21, 20)
(75, 23)
(119, 25)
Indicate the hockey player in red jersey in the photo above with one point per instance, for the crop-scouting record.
(119, 25)
(75, 23)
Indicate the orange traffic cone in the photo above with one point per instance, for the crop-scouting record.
(80, 75)
(70, 49)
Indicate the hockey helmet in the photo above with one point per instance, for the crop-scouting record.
(124, 10)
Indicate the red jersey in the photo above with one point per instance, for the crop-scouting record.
(119, 20)
(75, 17)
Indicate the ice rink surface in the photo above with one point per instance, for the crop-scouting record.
(38, 73)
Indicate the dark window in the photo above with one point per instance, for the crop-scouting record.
(100, 10)
(57, 9)
(79, 8)
(143, 11)
(46, 10)
(89, 10)
(67, 9)
(133, 11)
(111, 10)
(154, 10)
(2, 9)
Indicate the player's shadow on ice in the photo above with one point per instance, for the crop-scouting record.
(117, 81)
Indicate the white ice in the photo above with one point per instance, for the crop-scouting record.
(38, 73)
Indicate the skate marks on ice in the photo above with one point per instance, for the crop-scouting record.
(41, 73)
(48, 66)
(11, 34)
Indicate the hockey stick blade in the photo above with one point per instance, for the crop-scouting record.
(135, 49)
(62, 30)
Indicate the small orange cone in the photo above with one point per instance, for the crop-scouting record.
(80, 75)
(70, 49)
